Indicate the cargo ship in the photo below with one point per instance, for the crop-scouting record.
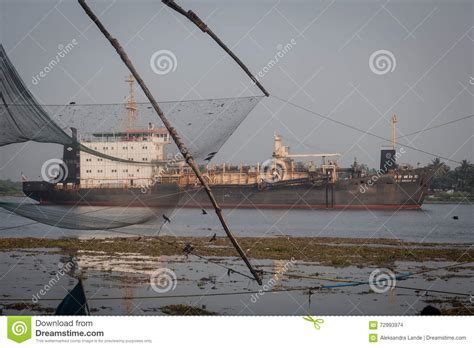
(281, 182)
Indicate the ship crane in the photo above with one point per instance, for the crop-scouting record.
(323, 155)
(281, 151)
(315, 155)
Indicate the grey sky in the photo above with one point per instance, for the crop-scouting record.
(432, 82)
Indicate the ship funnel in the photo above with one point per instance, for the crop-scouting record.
(387, 155)
(71, 159)
(387, 160)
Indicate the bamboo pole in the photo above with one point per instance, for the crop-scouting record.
(201, 25)
(182, 148)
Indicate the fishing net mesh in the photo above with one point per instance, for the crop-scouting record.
(203, 125)
(82, 218)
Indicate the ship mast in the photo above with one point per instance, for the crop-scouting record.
(131, 105)
(394, 121)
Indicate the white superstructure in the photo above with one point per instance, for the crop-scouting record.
(140, 145)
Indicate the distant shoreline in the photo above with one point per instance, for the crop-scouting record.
(448, 202)
(16, 194)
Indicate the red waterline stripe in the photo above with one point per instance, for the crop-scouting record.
(250, 206)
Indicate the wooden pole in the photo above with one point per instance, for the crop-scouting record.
(201, 25)
(182, 148)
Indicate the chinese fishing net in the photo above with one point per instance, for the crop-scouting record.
(82, 218)
(204, 126)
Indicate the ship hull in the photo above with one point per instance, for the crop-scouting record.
(165, 195)
(349, 194)
(386, 193)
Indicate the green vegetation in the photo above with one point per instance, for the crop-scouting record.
(336, 252)
(451, 185)
(459, 179)
(8, 187)
(455, 197)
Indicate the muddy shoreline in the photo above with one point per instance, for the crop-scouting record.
(118, 273)
(336, 252)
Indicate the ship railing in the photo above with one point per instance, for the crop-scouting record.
(167, 179)
(246, 171)
(106, 185)
(113, 139)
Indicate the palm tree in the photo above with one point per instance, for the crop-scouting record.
(438, 168)
(464, 175)
(439, 175)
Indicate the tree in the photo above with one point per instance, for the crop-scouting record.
(440, 175)
(464, 175)
(437, 168)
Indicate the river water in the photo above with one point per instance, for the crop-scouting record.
(434, 223)
(110, 279)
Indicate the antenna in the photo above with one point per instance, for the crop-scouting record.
(394, 131)
(131, 105)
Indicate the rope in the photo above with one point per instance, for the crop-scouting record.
(437, 126)
(173, 296)
(179, 247)
(360, 130)
(138, 103)
(402, 275)
(312, 288)
(174, 244)
(309, 288)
